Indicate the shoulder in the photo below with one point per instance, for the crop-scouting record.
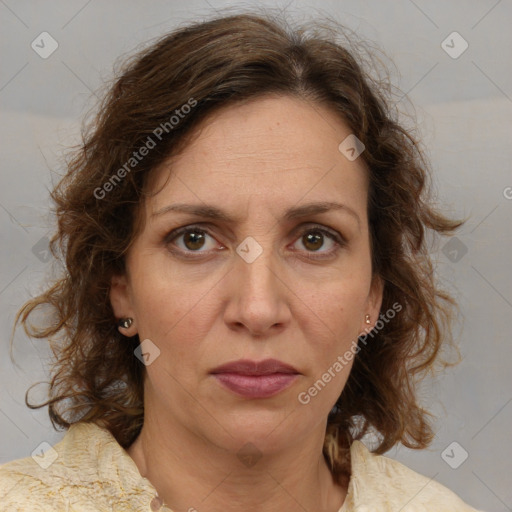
(21, 488)
(386, 484)
(54, 479)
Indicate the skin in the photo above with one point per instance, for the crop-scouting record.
(205, 306)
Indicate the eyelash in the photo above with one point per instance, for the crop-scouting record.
(338, 240)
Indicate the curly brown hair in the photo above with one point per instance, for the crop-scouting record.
(208, 65)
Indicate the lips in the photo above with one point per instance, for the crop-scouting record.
(256, 379)
(247, 367)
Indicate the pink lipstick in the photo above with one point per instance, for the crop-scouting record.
(253, 379)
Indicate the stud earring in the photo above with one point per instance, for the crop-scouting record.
(367, 319)
(125, 323)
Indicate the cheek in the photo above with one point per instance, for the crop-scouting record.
(156, 307)
(332, 343)
(339, 306)
(161, 295)
(172, 309)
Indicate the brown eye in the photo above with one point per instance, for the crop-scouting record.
(313, 240)
(193, 240)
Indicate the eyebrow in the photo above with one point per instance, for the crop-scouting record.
(213, 212)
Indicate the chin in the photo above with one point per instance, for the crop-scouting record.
(266, 429)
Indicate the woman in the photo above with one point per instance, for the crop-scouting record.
(247, 291)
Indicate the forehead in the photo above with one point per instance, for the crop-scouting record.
(272, 150)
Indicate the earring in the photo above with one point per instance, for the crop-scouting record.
(125, 323)
(367, 319)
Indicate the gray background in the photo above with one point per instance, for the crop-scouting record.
(464, 113)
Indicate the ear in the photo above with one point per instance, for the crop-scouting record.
(373, 304)
(120, 299)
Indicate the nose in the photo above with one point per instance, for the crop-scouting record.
(259, 295)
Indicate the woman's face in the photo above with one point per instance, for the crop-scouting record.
(273, 277)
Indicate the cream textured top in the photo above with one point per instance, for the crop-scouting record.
(88, 471)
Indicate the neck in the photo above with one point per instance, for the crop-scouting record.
(189, 472)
